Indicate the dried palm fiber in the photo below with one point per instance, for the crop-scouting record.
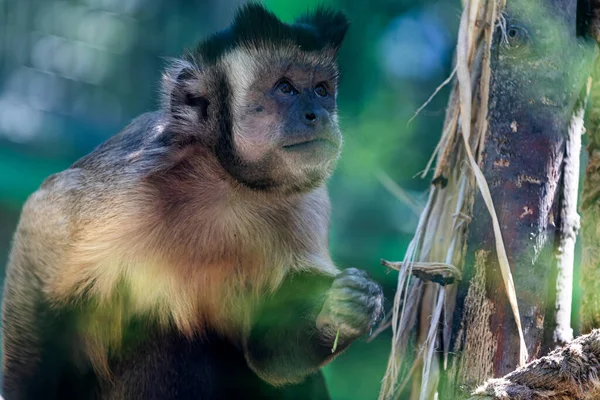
(571, 372)
(441, 233)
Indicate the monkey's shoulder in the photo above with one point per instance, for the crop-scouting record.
(117, 156)
(141, 147)
(56, 193)
(47, 222)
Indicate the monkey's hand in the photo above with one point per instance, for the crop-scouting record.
(353, 305)
(283, 346)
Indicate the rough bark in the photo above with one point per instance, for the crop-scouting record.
(564, 374)
(539, 66)
(590, 212)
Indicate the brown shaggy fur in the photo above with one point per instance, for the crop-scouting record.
(153, 223)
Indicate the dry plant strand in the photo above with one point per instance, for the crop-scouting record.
(398, 192)
(385, 324)
(445, 145)
(335, 342)
(442, 273)
(427, 389)
(401, 321)
(435, 92)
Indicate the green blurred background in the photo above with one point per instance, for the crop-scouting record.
(74, 72)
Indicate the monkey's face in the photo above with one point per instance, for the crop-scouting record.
(285, 126)
(262, 93)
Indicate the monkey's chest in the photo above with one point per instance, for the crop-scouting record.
(171, 366)
(193, 294)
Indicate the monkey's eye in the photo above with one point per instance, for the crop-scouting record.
(286, 87)
(321, 90)
(516, 36)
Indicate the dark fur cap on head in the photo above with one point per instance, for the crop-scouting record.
(253, 25)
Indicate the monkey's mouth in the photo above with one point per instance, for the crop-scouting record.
(312, 144)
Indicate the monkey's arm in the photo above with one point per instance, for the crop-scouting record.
(296, 328)
(33, 335)
(35, 338)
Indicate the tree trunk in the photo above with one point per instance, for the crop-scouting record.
(539, 67)
(590, 223)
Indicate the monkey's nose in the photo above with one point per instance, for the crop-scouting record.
(310, 117)
(314, 116)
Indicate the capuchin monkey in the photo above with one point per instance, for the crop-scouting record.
(187, 256)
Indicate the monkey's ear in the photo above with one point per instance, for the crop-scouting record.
(182, 98)
(254, 21)
(331, 26)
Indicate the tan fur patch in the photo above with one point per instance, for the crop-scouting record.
(204, 262)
